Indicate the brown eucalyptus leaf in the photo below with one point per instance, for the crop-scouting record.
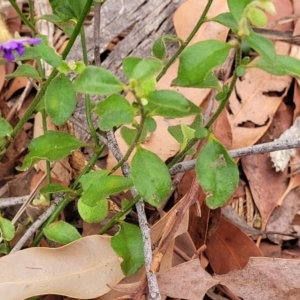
(81, 269)
(186, 281)
(229, 248)
(265, 278)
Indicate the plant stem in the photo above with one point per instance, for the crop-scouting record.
(231, 87)
(87, 98)
(187, 41)
(22, 16)
(31, 11)
(120, 215)
(136, 137)
(48, 166)
(77, 28)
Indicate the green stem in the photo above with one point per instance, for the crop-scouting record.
(31, 11)
(48, 166)
(22, 16)
(77, 28)
(135, 139)
(238, 58)
(184, 44)
(120, 215)
(222, 105)
(88, 108)
(66, 200)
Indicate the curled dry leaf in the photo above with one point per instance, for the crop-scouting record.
(265, 278)
(82, 269)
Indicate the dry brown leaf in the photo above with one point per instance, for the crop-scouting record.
(255, 102)
(187, 281)
(265, 183)
(158, 229)
(282, 217)
(265, 278)
(81, 269)
(229, 248)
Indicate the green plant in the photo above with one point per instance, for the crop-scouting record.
(217, 172)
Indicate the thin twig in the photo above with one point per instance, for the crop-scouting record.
(251, 150)
(11, 201)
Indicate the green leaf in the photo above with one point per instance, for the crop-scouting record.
(4, 248)
(50, 18)
(198, 60)
(237, 7)
(76, 7)
(282, 65)
(51, 188)
(217, 173)
(87, 179)
(148, 86)
(150, 124)
(128, 243)
(141, 69)
(24, 71)
(240, 71)
(93, 214)
(261, 45)
(30, 53)
(114, 111)
(150, 176)
(53, 145)
(170, 104)
(104, 187)
(98, 81)
(7, 229)
(61, 232)
(257, 17)
(128, 134)
(159, 48)
(227, 20)
(60, 99)
(47, 53)
(67, 26)
(5, 128)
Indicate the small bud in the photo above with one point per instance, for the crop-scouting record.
(268, 6)
(257, 17)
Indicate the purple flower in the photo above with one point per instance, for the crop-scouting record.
(17, 45)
